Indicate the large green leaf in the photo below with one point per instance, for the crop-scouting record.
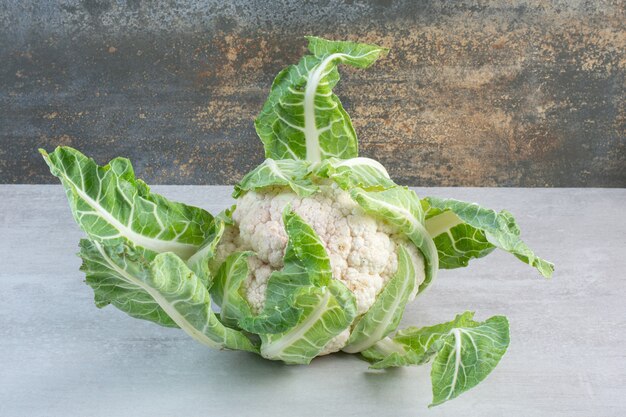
(302, 118)
(163, 290)
(326, 312)
(361, 172)
(463, 231)
(305, 264)
(286, 172)
(385, 315)
(465, 352)
(226, 289)
(401, 207)
(108, 275)
(467, 356)
(111, 205)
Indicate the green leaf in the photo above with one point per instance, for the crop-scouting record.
(401, 207)
(226, 289)
(387, 353)
(466, 356)
(284, 172)
(181, 294)
(302, 118)
(306, 263)
(365, 173)
(385, 315)
(107, 274)
(199, 261)
(414, 346)
(163, 290)
(326, 312)
(463, 231)
(305, 254)
(465, 352)
(112, 206)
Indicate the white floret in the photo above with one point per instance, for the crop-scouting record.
(336, 343)
(361, 249)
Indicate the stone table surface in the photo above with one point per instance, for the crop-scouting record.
(61, 356)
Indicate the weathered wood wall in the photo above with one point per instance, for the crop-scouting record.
(474, 93)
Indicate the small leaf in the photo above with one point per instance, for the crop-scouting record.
(364, 173)
(226, 289)
(326, 312)
(466, 356)
(199, 261)
(284, 172)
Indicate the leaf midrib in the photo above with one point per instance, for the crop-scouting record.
(272, 349)
(183, 250)
(174, 314)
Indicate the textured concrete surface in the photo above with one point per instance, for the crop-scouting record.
(61, 356)
(474, 93)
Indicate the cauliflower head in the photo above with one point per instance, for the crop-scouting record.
(362, 249)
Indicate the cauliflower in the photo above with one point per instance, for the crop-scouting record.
(361, 249)
(322, 252)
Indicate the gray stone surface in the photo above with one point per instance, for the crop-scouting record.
(473, 93)
(60, 356)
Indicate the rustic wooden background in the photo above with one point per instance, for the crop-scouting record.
(473, 93)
